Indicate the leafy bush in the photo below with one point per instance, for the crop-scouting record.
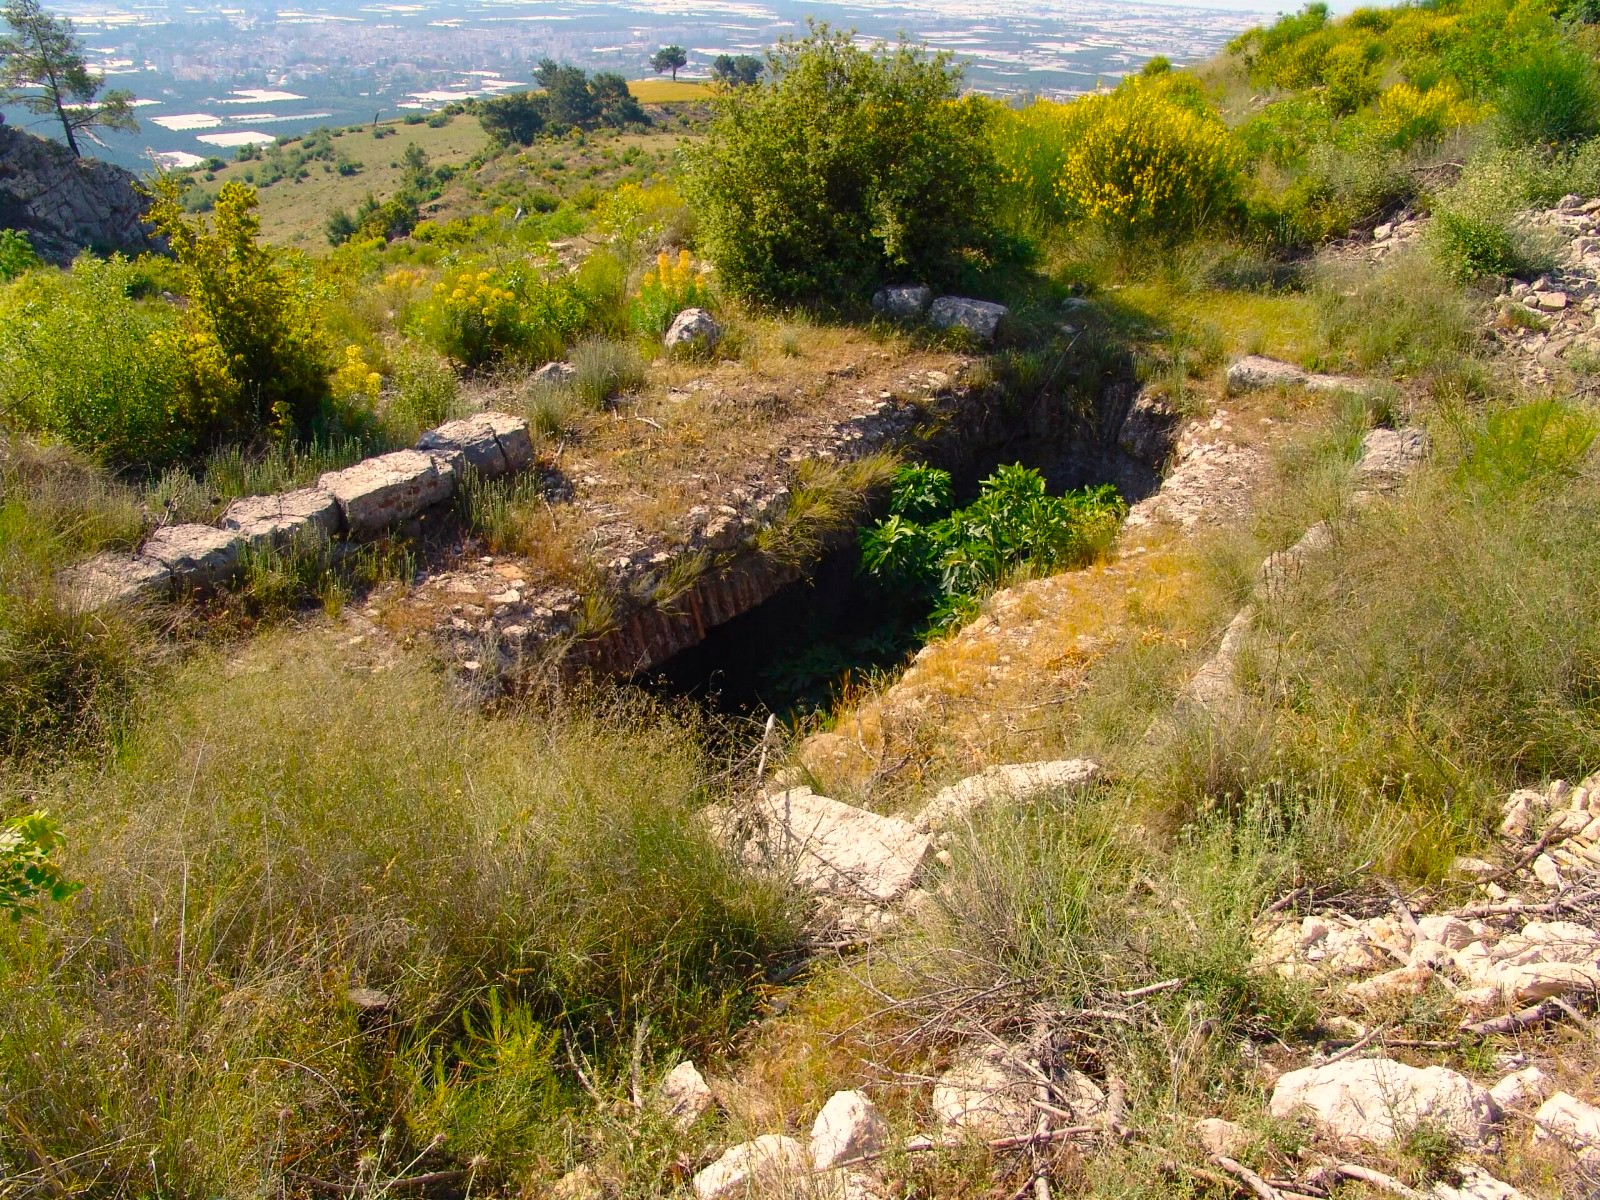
(26, 869)
(16, 254)
(83, 362)
(1144, 164)
(257, 360)
(528, 309)
(849, 167)
(644, 218)
(1349, 76)
(1550, 98)
(666, 290)
(1475, 246)
(955, 560)
(1408, 116)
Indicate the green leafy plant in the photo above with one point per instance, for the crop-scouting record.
(1551, 98)
(16, 254)
(1014, 523)
(848, 167)
(27, 872)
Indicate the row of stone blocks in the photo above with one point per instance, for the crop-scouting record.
(368, 498)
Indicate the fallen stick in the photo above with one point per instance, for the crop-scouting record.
(1511, 1022)
(1377, 1179)
(1357, 1046)
(1150, 989)
(1249, 1178)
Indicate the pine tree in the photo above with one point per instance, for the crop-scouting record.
(42, 68)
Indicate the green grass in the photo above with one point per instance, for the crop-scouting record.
(289, 824)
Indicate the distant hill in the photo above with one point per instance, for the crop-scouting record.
(65, 204)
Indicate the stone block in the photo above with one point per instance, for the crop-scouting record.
(112, 578)
(491, 443)
(902, 303)
(981, 318)
(197, 555)
(383, 491)
(273, 520)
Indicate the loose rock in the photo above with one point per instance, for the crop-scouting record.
(1570, 1121)
(981, 318)
(693, 329)
(1377, 1099)
(684, 1096)
(1019, 782)
(770, 1159)
(848, 1128)
(906, 303)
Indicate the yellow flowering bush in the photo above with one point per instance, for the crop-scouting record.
(642, 217)
(1031, 146)
(666, 290)
(1144, 165)
(1408, 116)
(477, 314)
(354, 380)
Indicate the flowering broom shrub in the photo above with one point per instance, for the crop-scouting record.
(1145, 165)
(666, 290)
(477, 315)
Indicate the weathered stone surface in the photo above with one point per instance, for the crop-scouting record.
(1475, 1184)
(848, 1128)
(491, 443)
(1213, 688)
(770, 1159)
(274, 519)
(1256, 372)
(65, 204)
(1012, 782)
(1222, 1137)
(981, 318)
(1388, 456)
(1149, 430)
(1377, 1099)
(1570, 1121)
(684, 1096)
(692, 329)
(197, 555)
(381, 491)
(555, 372)
(985, 1092)
(1402, 981)
(111, 578)
(1521, 1088)
(906, 303)
(834, 849)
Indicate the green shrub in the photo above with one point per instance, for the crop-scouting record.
(954, 561)
(1550, 98)
(26, 869)
(82, 361)
(426, 391)
(16, 254)
(666, 290)
(848, 168)
(604, 370)
(1476, 246)
(257, 360)
(529, 310)
(1350, 76)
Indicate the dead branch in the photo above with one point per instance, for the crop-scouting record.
(1377, 1179)
(1249, 1178)
(1512, 1022)
(1357, 1046)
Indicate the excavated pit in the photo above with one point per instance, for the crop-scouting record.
(817, 630)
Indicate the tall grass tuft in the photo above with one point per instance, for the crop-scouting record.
(524, 892)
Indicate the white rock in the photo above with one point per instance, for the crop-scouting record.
(1476, 1184)
(1529, 982)
(1388, 456)
(580, 1183)
(197, 555)
(1377, 1099)
(693, 328)
(1403, 981)
(382, 491)
(987, 1090)
(902, 303)
(1570, 1121)
(684, 1096)
(1255, 372)
(555, 372)
(273, 520)
(981, 318)
(848, 1128)
(1527, 1086)
(834, 849)
(1552, 301)
(1432, 954)
(1013, 782)
(109, 579)
(769, 1160)
(1449, 931)
(1547, 873)
(1227, 1138)
(1516, 815)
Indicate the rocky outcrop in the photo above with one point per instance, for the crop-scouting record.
(1254, 373)
(66, 204)
(1377, 1100)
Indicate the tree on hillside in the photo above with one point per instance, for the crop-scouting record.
(614, 103)
(42, 68)
(670, 58)
(737, 72)
(571, 102)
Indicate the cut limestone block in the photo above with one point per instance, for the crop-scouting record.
(274, 520)
(1255, 372)
(1388, 456)
(111, 578)
(197, 555)
(981, 318)
(490, 443)
(382, 491)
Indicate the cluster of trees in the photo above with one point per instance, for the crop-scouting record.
(43, 69)
(571, 99)
(741, 70)
(397, 216)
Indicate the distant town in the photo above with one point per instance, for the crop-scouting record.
(209, 80)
